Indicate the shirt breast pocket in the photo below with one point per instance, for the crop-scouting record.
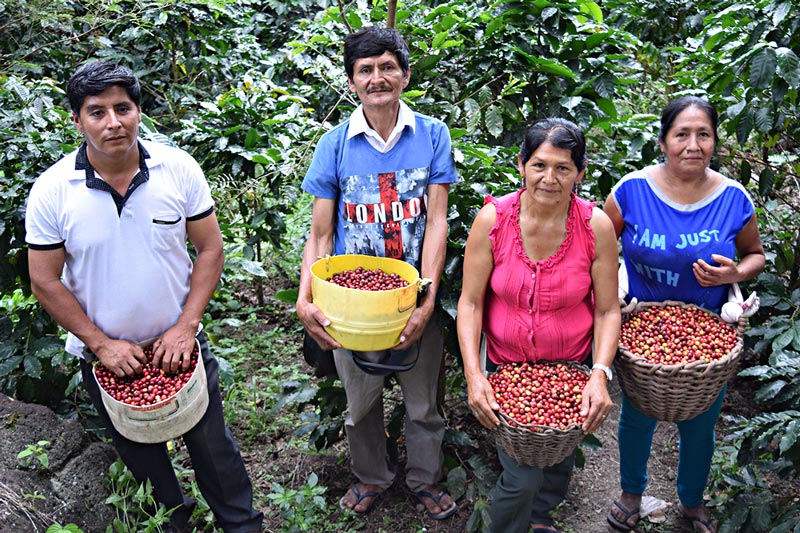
(167, 231)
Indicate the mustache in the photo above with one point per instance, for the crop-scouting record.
(378, 88)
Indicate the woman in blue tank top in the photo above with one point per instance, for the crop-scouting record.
(682, 226)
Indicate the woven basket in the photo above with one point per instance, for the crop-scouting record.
(542, 447)
(674, 393)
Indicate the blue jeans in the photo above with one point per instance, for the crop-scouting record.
(697, 441)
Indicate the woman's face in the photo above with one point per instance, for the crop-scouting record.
(550, 173)
(689, 143)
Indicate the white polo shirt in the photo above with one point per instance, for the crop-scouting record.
(127, 262)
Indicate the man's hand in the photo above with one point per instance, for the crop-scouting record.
(415, 327)
(173, 350)
(123, 358)
(315, 322)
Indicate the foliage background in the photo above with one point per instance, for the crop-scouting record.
(248, 86)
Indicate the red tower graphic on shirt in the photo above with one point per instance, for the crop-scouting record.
(393, 237)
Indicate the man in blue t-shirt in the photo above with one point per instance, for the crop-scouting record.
(380, 182)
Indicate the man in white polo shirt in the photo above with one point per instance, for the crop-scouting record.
(106, 230)
(380, 182)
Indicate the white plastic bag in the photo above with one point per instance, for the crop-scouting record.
(737, 306)
(622, 290)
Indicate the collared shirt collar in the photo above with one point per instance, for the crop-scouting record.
(358, 125)
(94, 182)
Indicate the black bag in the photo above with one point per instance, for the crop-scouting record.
(321, 360)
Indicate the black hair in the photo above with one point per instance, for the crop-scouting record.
(374, 41)
(559, 132)
(674, 108)
(95, 77)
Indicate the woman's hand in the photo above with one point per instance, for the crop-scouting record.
(710, 276)
(482, 402)
(596, 403)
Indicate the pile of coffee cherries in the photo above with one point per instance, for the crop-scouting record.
(368, 279)
(542, 394)
(673, 335)
(149, 388)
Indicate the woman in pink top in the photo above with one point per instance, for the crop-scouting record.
(540, 280)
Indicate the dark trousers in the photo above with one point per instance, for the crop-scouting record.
(526, 495)
(219, 469)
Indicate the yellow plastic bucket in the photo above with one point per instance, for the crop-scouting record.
(165, 420)
(364, 320)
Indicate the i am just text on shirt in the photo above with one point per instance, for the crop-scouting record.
(658, 241)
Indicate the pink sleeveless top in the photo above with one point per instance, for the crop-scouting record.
(540, 310)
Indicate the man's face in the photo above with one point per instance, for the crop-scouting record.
(109, 122)
(379, 80)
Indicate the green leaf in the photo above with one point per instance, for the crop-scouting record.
(473, 113)
(763, 119)
(745, 172)
(790, 436)
(457, 438)
(762, 68)
(494, 120)
(287, 295)
(439, 39)
(9, 365)
(608, 107)
(547, 65)
(783, 340)
(765, 181)
(592, 9)
(457, 482)
(32, 365)
(789, 66)
(769, 391)
(743, 127)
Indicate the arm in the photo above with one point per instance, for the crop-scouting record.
(434, 250)
(478, 265)
(123, 358)
(174, 348)
(751, 262)
(610, 208)
(596, 402)
(319, 244)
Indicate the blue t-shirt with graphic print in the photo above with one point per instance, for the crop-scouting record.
(662, 239)
(381, 196)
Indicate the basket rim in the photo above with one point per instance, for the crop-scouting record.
(725, 359)
(528, 427)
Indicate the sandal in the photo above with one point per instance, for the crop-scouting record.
(697, 522)
(441, 515)
(623, 524)
(359, 498)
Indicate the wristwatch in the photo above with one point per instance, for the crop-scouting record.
(605, 369)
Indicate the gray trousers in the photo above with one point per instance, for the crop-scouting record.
(525, 494)
(424, 426)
